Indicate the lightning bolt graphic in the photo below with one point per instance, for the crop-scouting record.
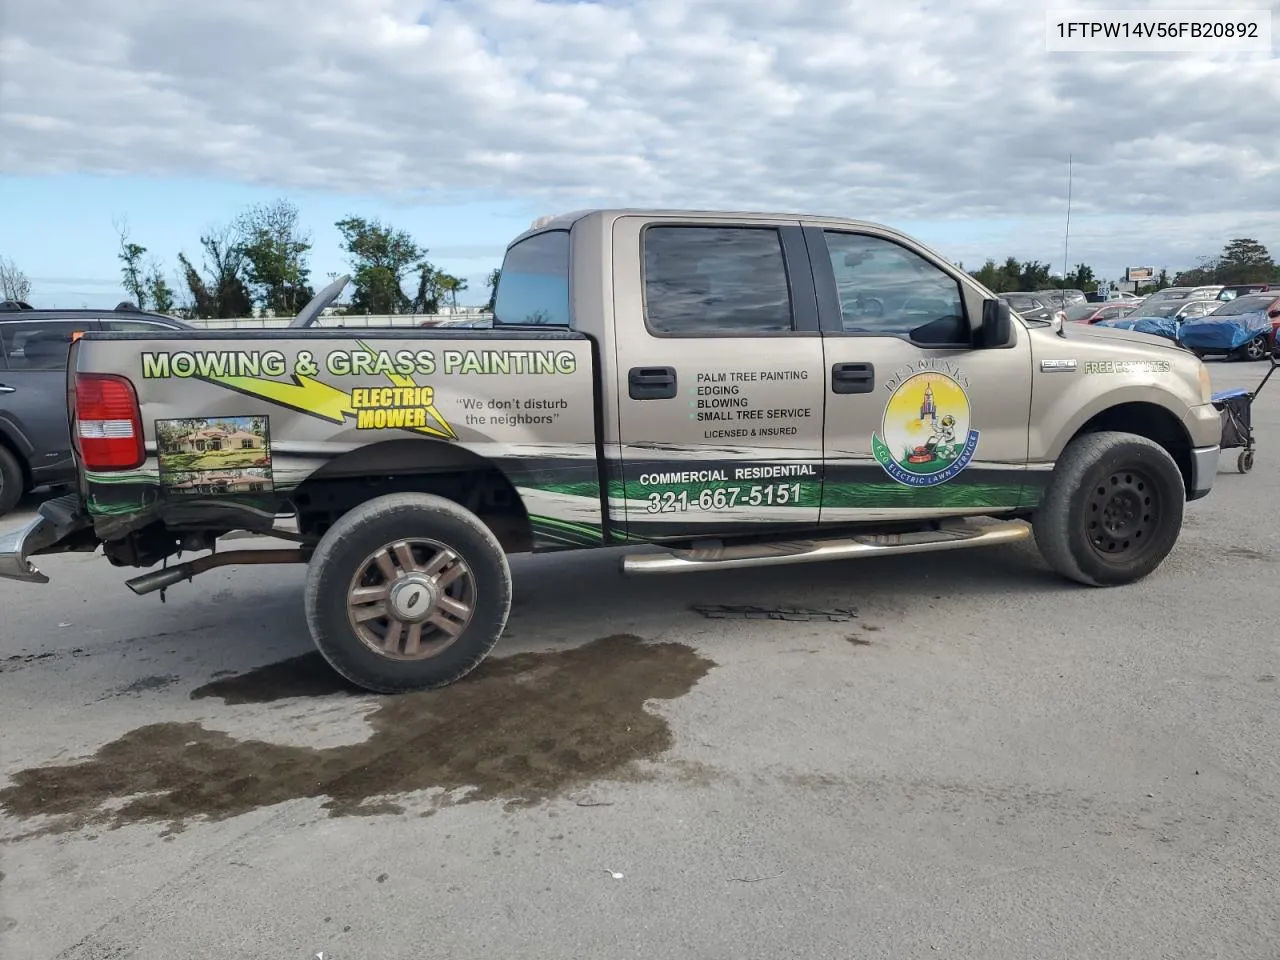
(315, 398)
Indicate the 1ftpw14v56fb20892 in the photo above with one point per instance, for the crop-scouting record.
(718, 389)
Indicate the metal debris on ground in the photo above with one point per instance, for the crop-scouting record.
(747, 611)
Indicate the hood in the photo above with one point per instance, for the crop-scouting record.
(308, 314)
(1084, 331)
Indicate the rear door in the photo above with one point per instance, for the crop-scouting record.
(33, 389)
(719, 376)
(918, 422)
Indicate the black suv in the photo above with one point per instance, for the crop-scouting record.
(35, 435)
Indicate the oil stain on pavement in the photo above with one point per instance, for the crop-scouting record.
(522, 728)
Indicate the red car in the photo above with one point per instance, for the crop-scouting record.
(1093, 312)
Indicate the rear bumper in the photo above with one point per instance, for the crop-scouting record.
(58, 521)
(1204, 469)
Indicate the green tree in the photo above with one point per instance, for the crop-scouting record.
(380, 257)
(132, 271)
(1245, 260)
(275, 247)
(1081, 278)
(451, 286)
(495, 275)
(427, 299)
(14, 284)
(161, 294)
(222, 292)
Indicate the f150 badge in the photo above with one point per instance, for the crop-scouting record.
(925, 437)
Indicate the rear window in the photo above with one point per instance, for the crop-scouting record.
(39, 344)
(533, 287)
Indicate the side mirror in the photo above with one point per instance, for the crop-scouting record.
(997, 325)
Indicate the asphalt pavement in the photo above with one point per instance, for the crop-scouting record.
(952, 755)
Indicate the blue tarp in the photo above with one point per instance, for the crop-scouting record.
(1222, 395)
(1157, 326)
(1224, 333)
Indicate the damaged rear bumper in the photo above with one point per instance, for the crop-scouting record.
(55, 529)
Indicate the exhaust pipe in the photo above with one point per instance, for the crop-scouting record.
(159, 579)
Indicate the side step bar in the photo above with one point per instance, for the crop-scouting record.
(954, 536)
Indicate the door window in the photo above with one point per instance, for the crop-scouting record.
(39, 345)
(887, 290)
(715, 281)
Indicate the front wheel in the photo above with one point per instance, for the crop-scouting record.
(1255, 349)
(1113, 510)
(407, 592)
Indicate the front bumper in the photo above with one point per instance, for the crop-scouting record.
(1204, 469)
(58, 521)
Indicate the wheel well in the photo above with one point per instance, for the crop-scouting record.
(1153, 422)
(17, 455)
(414, 466)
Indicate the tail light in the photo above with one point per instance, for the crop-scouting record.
(108, 423)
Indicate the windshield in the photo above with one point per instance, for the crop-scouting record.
(1161, 309)
(1242, 305)
(1081, 310)
(1019, 303)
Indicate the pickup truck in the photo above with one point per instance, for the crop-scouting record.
(714, 390)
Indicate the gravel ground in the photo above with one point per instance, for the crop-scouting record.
(982, 762)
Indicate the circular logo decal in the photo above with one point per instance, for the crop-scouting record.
(925, 438)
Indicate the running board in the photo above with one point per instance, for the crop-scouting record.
(953, 536)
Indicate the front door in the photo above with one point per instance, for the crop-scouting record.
(918, 422)
(719, 378)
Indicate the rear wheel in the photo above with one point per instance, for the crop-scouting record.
(11, 481)
(1113, 510)
(407, 592)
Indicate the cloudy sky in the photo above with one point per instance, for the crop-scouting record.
(462, 120)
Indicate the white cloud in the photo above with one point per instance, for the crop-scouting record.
(871, 109)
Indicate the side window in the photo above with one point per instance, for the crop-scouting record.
(533, 287)
(39, 345)
(887, 290)
(715, 281)
(134, 326)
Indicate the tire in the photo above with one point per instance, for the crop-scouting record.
(1244, 462)
(11, 481)
(366, 551)
(1131, 477)
(1255, 349)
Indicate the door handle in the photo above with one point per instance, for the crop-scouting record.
(651, 383)
(4, 389)
(853, 377)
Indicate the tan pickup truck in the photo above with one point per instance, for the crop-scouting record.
(715, 389)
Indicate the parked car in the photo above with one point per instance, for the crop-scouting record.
(1231, 291)
(1094, 312)
(1242, 329)
(1029, 306)
(1185, 293)
(1061, 299)
(35, 436)
(1175, 310)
